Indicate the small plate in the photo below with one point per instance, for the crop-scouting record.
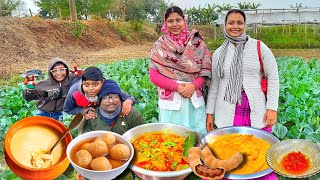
(279, 150)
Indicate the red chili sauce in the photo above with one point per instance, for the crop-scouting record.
(295, 163)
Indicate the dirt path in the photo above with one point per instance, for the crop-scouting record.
(127, 51)
(304, 53)
(116, 53)
(142, 51)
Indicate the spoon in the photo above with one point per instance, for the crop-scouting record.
(74, 123)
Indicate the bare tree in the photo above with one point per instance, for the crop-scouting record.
(73, 11)
(1, 7)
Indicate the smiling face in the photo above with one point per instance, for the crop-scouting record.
(175, 24)
(235, 24)
(59, 72)
(110, 103)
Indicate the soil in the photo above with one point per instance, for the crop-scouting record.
(27, 43)
(30, 43)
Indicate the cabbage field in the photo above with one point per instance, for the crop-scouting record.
(298, 114)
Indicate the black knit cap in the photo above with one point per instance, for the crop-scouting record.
(110, 87)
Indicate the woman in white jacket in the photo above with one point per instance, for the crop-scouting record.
(235, 96)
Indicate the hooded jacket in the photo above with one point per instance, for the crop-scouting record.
(49, 93)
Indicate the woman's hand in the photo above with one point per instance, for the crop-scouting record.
(186, 90)
(209, 122)
(126, 108)
(89, 113)
(270, 118)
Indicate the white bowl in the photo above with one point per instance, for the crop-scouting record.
(156, 127)
(91, 174)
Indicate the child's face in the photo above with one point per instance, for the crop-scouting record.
(59, 72)
(91, 88)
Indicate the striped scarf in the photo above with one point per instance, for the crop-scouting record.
(233, 90)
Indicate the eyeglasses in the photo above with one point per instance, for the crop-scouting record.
(111, 96)
(54, 71)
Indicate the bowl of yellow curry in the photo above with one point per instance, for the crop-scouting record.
(252, 143)
(160, 150)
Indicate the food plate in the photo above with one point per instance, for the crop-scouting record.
(242, 130)
(279, 150)
(158, 127)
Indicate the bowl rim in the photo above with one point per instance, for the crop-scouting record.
(68, 150)
(56, 125)
(157, 173)
(316, 146)
(248, 128)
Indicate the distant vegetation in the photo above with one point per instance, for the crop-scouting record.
(278, 37)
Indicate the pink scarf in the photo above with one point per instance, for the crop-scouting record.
(179, 39)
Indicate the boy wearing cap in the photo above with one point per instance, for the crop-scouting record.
(83, 96)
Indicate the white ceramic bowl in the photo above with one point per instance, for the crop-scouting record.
(156, 127)
(98, 175)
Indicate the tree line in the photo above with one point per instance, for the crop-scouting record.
(87, 9)
(126, 10)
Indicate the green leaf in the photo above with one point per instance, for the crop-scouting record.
(169, 143)
(280, 131)
(188, 143)
(315, 137)
(8, 174)
(174, 165)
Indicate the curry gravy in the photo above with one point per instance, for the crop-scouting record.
(115, 163)
(253, 149)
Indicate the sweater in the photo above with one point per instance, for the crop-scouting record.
(224, 111)
(120, 126)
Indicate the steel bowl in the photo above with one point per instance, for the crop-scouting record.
(158, 127)
(279, 150)
(242, 130)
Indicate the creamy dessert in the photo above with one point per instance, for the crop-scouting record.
(30, 144)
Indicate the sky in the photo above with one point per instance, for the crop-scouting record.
(266, 4)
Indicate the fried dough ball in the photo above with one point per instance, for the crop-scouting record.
(85, 146)
(120, 152)
(97, 148)
(100, 164)
(108, 138)
(83, 158)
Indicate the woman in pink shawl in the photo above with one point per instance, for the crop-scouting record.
(180, 64)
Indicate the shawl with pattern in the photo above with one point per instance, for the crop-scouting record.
(184, 63)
